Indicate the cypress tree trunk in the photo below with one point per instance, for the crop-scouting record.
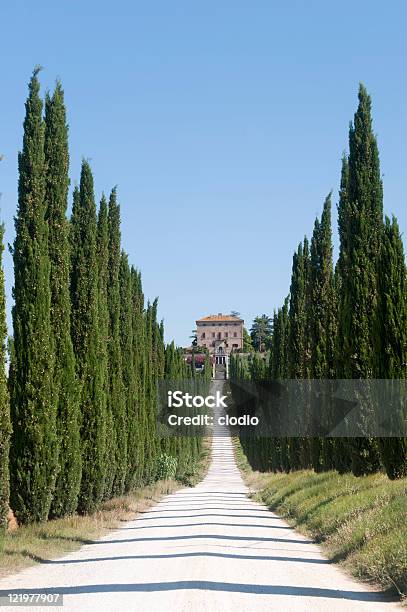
(116, 391)
(34, 451)
(86, 342)
(65, 383)
(5, 425)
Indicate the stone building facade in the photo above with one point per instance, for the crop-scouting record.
(221, 335)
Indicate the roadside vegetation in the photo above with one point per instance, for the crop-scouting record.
(39, 542)
(78, 400)
(360, 521)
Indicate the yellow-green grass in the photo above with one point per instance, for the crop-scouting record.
(31, 544)
(360, 521)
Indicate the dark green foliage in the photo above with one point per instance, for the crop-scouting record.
(86, 353)
(140, 373)
(103, 322)
(116, 398)
(298, 340)
(391, 330)
(5, 425)
(322, 297)
(322, 322)
(128, 373)
(260, 332)
(280, 453)
(86, 342)
(257, 367)
(351, 324)
(341, 455)
(247, 341)
(207, 367)
(299, 355)
(360, 228)
(34, 450)
(150, 438)
(391, 335)
(65, 384)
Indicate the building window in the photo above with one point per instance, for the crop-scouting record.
(226, 334)
(203, 335)
(219, 335)
(235, 335)
(213, 334)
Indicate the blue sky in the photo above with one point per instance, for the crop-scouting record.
(222, 123)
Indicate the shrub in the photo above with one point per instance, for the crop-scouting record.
(166, 467)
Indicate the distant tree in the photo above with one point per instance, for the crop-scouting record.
(194, 338)
(261, 332)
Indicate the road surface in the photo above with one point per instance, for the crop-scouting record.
(205, 548)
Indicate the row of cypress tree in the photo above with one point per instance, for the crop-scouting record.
(344, 322)
(86, 352)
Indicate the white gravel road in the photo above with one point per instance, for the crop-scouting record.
(205, 548)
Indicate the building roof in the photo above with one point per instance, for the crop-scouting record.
(219, 317)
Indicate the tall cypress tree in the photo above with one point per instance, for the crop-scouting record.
(299, 350)
(129, 373)
(140, 369)
(361, 222)
(341, 455)
(298, 338)
(392, 336)
(5, 426)
(116, 392)
(322, 299)
(322, 320)
(86, 341)
(34, 451)
(65, 382)
(151, 364)
(103, 321)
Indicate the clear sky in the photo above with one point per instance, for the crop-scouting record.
(222, 123)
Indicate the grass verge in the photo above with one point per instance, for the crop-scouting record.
(360, 522)
(31, 544)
